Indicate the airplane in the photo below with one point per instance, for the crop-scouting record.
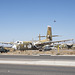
(36, 45)
(54, 20)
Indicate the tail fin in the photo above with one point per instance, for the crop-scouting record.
(49, 34)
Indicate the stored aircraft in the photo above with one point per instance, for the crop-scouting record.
(36, 45)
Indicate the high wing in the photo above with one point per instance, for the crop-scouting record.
(62, 41)
(7, 43)
(50, 42)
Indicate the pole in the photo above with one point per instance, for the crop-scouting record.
(58, 48)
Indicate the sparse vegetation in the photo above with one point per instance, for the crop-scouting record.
(37, 52)
(58, 54)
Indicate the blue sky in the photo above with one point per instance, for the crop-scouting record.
(25, 19)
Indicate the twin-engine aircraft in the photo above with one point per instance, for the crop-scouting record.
(34, 45)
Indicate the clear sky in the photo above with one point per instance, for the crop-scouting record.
(25, 19)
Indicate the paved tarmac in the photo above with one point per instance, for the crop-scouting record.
(6, 69)
(42, 57)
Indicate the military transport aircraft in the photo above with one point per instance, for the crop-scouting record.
(33, 45)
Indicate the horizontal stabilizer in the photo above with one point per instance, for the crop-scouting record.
(56, 36)
(52, 36)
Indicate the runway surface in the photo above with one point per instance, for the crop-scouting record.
(35, 70)
(31, 69)
(42, 57)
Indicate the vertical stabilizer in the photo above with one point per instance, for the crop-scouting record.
(49, 34)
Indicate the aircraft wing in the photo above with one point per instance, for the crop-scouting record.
(6, 43)
(49, 42)
(62, 41)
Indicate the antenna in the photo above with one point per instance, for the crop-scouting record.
(39, 37)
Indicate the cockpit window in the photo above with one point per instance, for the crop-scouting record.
(17, 41)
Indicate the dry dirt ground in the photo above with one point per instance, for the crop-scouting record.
(36, 52)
